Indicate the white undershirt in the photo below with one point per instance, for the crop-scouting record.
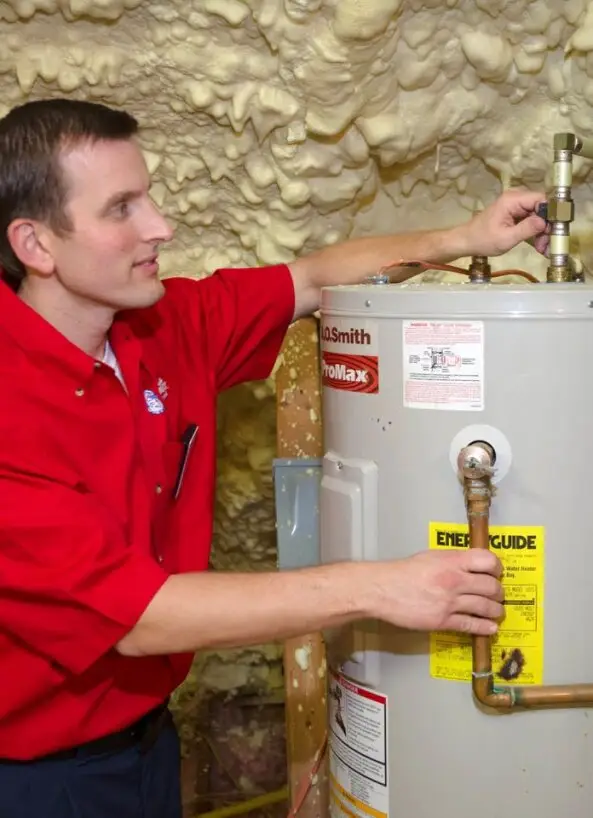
(110, 360)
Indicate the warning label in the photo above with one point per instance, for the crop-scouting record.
(517, 649)
(357, 750)
(350, 359)
(443, 365)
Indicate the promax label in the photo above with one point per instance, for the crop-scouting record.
(354, 373)
(350, 355)
(517, 650)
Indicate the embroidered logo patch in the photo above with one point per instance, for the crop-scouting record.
(163, 388)
(153, 403)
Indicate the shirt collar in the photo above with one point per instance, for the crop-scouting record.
(45, 346)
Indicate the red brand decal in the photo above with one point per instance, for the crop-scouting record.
(354, 373)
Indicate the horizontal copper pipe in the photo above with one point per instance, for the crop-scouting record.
(409, 269)
(478, 494)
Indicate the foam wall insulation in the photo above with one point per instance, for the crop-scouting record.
(273, 127)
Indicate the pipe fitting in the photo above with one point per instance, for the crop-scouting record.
(480, 271)
(476, 461)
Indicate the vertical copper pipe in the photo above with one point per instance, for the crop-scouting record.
(482, 648)
(478, 495)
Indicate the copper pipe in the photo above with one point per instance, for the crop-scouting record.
(414, 268)
(521, 273)
(478, 494)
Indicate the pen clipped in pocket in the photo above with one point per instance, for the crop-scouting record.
(187, 441)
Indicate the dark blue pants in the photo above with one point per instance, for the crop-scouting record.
(126, 784)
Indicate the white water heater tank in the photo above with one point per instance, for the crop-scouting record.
(411, 374)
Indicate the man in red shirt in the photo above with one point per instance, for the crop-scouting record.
(107, 462)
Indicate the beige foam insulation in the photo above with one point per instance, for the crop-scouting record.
(273, 127)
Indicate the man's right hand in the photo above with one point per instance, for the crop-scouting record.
(441, 590)
(434, 590)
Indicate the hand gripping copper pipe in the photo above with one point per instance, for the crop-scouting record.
(476, 463)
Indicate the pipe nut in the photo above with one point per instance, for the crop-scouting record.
(565, 142)
(560, 210)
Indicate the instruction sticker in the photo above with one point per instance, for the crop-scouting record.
(443, 365)
(517, 649)
(357, 750)
(350, 355)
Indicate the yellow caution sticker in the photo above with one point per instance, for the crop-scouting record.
(343, 803)
(518, 648)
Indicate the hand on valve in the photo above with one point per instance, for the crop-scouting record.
(442, 590)
(509, 220)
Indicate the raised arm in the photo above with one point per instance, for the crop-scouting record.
(510, 220)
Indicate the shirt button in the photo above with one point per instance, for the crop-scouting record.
(79, 393)
(97, 364)
(160, 559)
(158, 488)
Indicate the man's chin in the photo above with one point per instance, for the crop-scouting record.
(142, 297)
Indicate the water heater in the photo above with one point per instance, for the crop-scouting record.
(414, 375)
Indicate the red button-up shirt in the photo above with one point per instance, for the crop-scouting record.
(105, 491)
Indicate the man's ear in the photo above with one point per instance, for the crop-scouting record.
(29, 242)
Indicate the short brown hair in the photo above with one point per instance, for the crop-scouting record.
(31, 180)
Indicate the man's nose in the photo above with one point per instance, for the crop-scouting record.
(157, 228)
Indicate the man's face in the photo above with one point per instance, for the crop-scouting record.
(110, 257)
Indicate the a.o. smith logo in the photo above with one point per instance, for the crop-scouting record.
(352, 373)
(354, 335)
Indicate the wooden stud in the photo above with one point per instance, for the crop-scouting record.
(299, 436)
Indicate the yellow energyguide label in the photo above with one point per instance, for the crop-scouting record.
(518, 648)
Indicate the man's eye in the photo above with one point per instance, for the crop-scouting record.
(122, 209)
